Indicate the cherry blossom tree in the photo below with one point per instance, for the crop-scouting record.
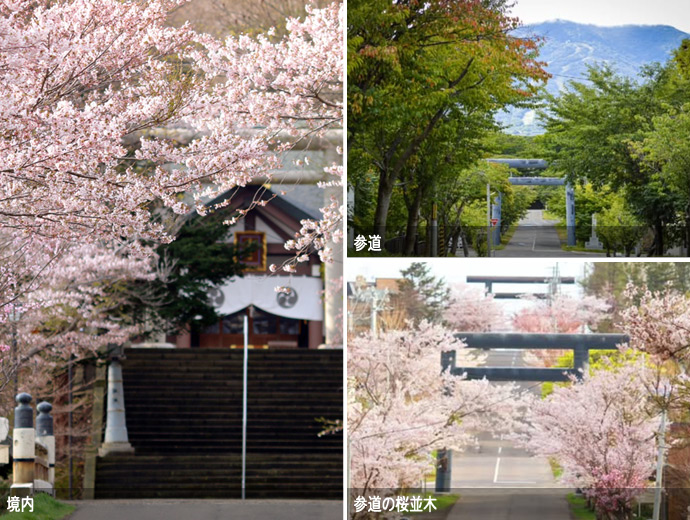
(71, 308)
(84, 79)
(472, 309)
(659, 325)
(108, 114)
(602, 432)
(401, 407)
(290, 94)
(108, 111)
(77, 77)
(560, 314)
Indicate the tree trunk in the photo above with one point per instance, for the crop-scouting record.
(659, 242)
(383, 202)
(413, 222)
(465, 247)
(454, 237)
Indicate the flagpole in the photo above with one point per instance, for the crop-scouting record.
(244, 406)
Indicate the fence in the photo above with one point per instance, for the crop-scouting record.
(33, 449)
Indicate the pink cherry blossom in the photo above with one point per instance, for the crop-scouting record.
(473, 309)
(602, 432)
(401, 407)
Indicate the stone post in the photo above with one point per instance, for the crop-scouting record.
(23, 447)
(444, 459)
(116, 439)
(594, 242)
(570, 213)
(44, 433)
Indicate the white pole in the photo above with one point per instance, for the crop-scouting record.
(374, 310)
(660, 466)
(244, 405)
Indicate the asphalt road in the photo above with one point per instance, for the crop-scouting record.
(500, 481)
(537, 237)
(207, 510)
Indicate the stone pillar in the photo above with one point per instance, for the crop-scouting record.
(570, 213)
(594, 242)
(444, 459)
(581, 361)
(116, 439)
(496, 214)
(44, 433)
(333, 296)
(23, 447)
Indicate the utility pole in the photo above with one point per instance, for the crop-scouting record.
(660, 466)
(433, 250)
(377, 300)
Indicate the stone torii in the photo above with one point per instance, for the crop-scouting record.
(535, 164)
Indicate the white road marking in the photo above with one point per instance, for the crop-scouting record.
(498, 464)
(507, 482)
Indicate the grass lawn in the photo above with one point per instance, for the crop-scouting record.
(45, 508)
(579, 509)
(562, 231)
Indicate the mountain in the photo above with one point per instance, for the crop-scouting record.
(569, 47)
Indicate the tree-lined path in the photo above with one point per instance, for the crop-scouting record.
(537, 236)
(498, 480)
(495, 405)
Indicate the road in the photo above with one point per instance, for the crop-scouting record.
(537, 237)
(207, 510)
(500, 481)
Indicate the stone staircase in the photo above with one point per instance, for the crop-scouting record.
(184, 417)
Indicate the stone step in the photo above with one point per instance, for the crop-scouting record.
(219, 476)
(184, 418)
(187, 446)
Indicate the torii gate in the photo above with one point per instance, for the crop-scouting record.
(535, 164)
(489, 282)
(580, 344)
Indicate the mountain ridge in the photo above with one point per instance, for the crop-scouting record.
(569, 48)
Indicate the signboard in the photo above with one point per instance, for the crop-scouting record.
(494, 221)
(256, 260)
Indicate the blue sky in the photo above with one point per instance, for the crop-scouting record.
(607, 12)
